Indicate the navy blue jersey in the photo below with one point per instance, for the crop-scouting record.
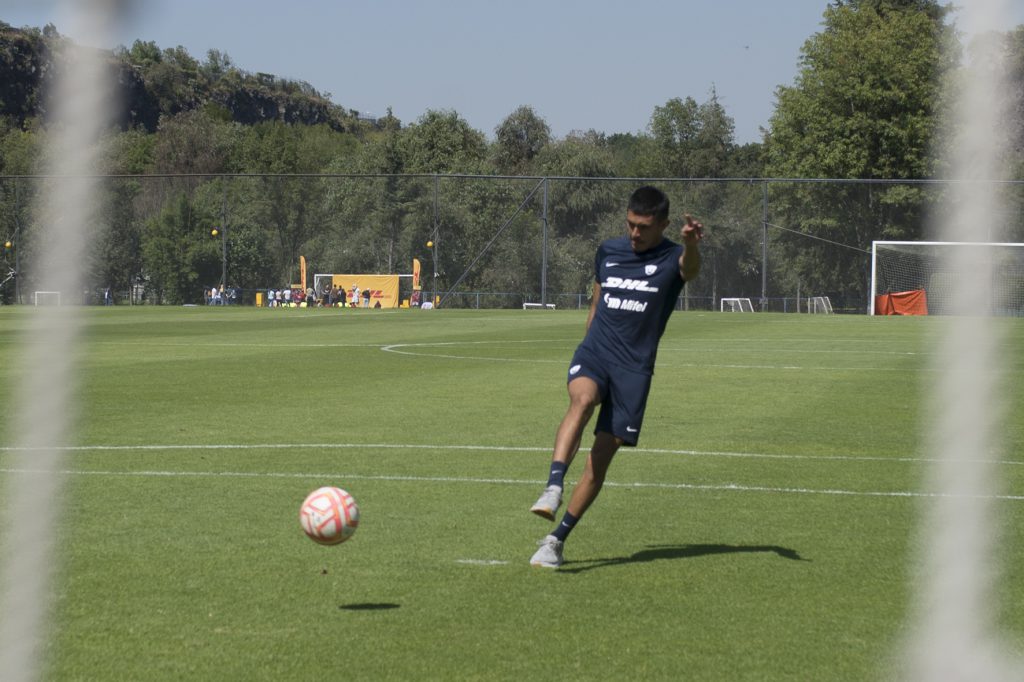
(638, 294)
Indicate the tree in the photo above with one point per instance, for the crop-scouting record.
(180, 259)
(865, 100)
(518, 140)
(443, 142)
(692, 140)
(864, 105)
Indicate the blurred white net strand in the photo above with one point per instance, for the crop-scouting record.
(80, 105)
(955, 634)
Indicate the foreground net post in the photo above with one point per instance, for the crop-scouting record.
(45, 400)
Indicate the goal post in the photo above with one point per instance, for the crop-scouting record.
(933, 271)
(45, 298)
(736, 305)
(821, 305)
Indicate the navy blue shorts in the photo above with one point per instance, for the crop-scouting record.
(623, 395)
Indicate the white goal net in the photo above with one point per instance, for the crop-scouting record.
(925, 266)
(46, 298)
(736, 305)
(821, 305)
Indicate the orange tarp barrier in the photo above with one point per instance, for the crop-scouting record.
(902, 303)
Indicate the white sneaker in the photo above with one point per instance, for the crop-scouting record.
(548, 503)
(550, 553)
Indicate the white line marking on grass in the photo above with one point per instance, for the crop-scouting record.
(205, 344)
(488, 448)
(761, 348)
(481, 562)
(726, 487)
(394, 348)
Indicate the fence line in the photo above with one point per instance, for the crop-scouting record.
(776, 241)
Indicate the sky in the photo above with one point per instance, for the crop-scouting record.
(598, 64)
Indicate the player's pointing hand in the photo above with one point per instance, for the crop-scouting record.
(693, 230)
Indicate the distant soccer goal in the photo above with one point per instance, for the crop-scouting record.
(538, 306)
(929, 267)
(736, 305)
(821, 305)
(46, 298)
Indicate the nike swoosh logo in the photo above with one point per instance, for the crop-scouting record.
(630, 429)
(609, 264)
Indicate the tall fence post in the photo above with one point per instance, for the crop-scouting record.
(17, 241)
(544, 248)
(224, 242)
(764, 246)
(435, 235)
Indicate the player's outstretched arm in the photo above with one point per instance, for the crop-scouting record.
(594, 298)
(691, 234)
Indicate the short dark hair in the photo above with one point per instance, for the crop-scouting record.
(649, 200)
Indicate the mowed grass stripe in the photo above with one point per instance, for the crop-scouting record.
(734, 487)
(487, 448)
(203, 429)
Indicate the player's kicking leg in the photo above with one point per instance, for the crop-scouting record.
(549, 554)
(583, 398)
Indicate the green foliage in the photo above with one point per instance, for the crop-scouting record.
(20, 149)
(24, 69)
(180, 257)
(518, 140)
(865, 101)
(443, 142)
(865, 105)
(692, 140)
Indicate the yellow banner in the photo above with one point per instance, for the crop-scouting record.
(416, 274)
(302, 271)
(383, 290)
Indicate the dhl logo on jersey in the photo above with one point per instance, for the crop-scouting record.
(628, 284)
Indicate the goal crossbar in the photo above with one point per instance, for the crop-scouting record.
(819, 304)
(736, 305)
(926, 266)
(46, 295)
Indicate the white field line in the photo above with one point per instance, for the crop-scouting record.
(483, 448)
(404, 349)
(231, 344)
(409, 349)
(705, 487)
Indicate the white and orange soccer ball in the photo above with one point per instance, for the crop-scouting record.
(329, 515)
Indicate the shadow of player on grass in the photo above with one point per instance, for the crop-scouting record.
(659, 552)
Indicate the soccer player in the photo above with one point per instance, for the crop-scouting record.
(638, 278)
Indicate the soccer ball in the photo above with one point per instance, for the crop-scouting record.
(329, 515)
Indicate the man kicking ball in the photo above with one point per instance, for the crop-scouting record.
(638, 278)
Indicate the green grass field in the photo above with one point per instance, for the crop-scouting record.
(764, 529)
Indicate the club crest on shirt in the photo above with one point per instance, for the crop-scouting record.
(650, 269)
